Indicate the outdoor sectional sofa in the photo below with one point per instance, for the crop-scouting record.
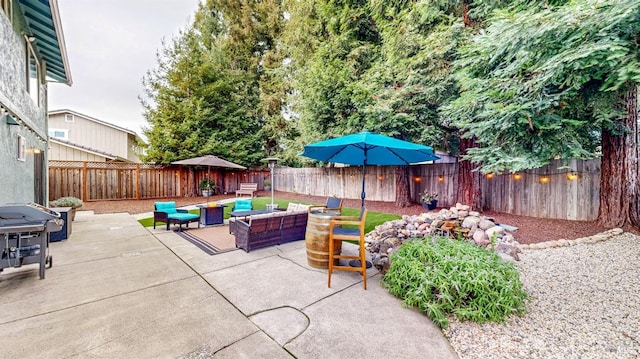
(264, 230)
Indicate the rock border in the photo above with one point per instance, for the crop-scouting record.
(600, 237)
(461, 222)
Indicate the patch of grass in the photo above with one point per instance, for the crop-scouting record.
(261, 202)
(373, 218)
(457, 278)
(146, 222)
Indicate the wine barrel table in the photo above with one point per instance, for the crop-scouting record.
(317, 238)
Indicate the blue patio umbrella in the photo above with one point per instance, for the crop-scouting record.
(367, 148)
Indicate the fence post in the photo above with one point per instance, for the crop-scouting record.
(180, 181)
(84, 181)
(137, 181)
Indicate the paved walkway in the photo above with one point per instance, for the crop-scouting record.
(118, 290)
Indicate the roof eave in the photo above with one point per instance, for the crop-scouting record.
(55, 14)
(43, 22)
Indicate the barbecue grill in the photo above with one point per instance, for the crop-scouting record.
(24, 235)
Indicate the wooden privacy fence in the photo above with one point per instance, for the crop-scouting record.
(343, 182)
(547, 192)
(571, 192)
(380, 181)
(91, 181)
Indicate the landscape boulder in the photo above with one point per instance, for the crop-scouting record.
(458, 222)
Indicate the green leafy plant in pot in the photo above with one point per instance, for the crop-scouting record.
(267, 185)
(72, 202)
(429, 200)
(208, 187)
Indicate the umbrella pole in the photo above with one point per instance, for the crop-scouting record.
(356, 262)
(272, 185)
(364, 176)
(208, 179)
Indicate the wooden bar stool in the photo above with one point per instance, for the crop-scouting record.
(339, 233)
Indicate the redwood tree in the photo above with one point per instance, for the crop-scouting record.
(539, 85)
(403, 196)
(469, 190)
(619, 170)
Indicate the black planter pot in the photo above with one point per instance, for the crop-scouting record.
(430, 206)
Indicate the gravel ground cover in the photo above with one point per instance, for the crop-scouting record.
(584, 303)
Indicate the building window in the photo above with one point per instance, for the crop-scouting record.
(22, 149)
(33, 75)
(68, 118)
(59, 134)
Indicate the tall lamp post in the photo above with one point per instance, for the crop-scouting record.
(271, 162)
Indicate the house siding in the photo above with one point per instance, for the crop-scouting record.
(133, 149)
(72, 154)
(95, 135)
(17, 181)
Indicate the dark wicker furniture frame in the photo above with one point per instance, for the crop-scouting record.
(279, 228)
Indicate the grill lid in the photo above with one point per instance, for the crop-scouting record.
(14, 214)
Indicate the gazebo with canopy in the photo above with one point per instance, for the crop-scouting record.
(209, 161)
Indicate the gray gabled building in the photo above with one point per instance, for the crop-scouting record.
(33, 55)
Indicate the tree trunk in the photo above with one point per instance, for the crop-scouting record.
(403, 197)
(465, 14)
(619, 169)
(469, 190)
(633, 168)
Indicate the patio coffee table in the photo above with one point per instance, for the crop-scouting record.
(211, 215)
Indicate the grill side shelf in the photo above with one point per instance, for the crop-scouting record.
(28, 246)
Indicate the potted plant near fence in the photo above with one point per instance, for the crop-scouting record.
(208, 187)
(429, 200)
(72, 202)
(267, 185)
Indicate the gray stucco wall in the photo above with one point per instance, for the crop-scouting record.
(17, 179)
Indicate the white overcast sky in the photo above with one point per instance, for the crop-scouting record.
(111, 44)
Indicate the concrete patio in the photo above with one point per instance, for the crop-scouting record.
(117, 289)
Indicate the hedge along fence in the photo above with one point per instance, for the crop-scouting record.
(91, 181)
(548, 192)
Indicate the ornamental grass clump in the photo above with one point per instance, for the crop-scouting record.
(73, 202)
(451, 277)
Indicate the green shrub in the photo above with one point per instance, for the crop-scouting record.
(453, 277)
(66, 202)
